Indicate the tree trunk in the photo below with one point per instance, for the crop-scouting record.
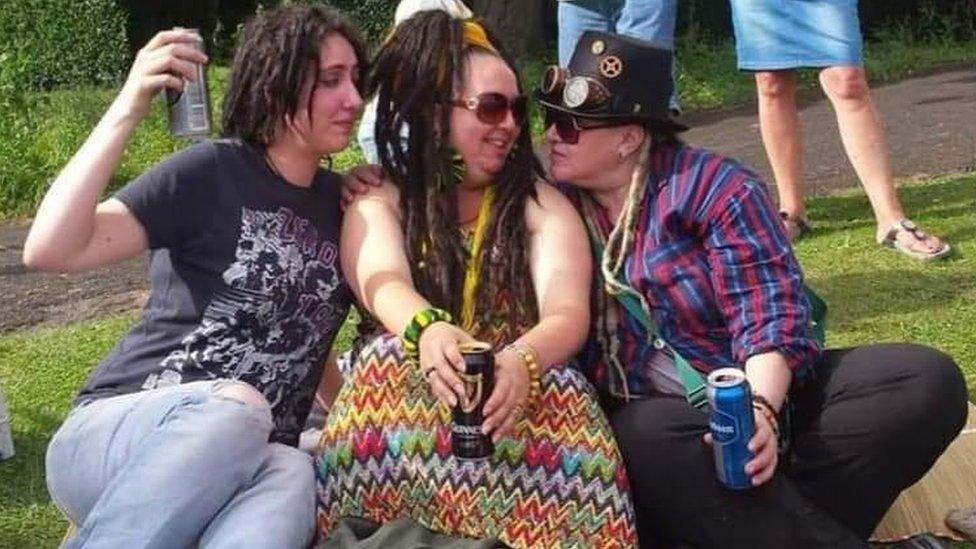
(518, 23)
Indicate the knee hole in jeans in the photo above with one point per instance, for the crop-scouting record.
(242, 393)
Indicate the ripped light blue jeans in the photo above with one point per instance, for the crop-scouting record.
(182, 466)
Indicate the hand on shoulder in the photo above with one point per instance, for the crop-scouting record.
(368, 182)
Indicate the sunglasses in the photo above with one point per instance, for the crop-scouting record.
(569, 127)
(491, 107)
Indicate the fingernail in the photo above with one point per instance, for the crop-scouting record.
(453, 401)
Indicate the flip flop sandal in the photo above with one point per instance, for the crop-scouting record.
(963, 521)
(796, 227)
(890, 240)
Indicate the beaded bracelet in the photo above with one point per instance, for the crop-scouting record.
(417, 325)
(762, 405)
(530, 359)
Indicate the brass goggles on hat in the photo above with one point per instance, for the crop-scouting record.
(579, 92)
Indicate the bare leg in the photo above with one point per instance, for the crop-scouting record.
(779, 125)
(864, 141)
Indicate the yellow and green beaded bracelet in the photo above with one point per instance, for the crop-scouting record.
(417, 325)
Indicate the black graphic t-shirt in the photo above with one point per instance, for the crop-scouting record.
(245, 281)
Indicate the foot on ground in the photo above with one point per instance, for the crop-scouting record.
(908, 238)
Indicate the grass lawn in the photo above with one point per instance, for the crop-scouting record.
(874, 295)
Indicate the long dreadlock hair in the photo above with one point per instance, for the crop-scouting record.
(609, 280)
(416, 75)
(277, 57)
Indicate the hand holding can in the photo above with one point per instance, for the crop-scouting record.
(166, 62)
(189, 109)
(468, 439)
(732, 425)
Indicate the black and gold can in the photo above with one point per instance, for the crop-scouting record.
(467, 439)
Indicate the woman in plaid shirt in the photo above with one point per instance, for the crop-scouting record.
(694, 241)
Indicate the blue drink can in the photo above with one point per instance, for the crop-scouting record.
(732, 424)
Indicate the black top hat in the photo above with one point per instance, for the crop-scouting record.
(613, 77)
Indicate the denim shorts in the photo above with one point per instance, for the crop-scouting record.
(791, 34)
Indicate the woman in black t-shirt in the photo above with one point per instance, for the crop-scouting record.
(168, 443)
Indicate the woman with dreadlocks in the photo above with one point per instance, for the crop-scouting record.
(467, 243)
(184, 435)
(695, 272)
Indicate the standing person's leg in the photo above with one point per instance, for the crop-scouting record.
(152, 469)
(679, 501)
(864, 141)
(576, 17)
(871, 424)
(762, 46)
(779, 125)
(653, 21)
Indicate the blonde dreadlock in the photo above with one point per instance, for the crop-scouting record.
(615, 251)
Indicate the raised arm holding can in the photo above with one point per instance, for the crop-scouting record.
(185, 432)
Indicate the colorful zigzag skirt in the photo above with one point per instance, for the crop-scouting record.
(385, 453)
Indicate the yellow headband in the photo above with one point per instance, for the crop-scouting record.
(475, 35)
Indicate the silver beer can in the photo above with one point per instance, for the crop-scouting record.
(190, 115)
(6, 438)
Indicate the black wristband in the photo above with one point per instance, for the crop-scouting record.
(761, 400)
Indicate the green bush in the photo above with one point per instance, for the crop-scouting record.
(42, 130)
(50, 43)
(373, 17)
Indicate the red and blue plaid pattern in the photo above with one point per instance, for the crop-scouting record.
(712, 260)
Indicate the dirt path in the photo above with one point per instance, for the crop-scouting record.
(931, 128)
(33, 299)
(930, 125)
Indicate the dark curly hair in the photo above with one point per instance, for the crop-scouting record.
(278, 54)
(414, 76)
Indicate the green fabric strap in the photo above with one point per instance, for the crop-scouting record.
(818, 315)
(692, 380)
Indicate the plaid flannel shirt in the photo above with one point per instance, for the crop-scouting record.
(717, 269)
